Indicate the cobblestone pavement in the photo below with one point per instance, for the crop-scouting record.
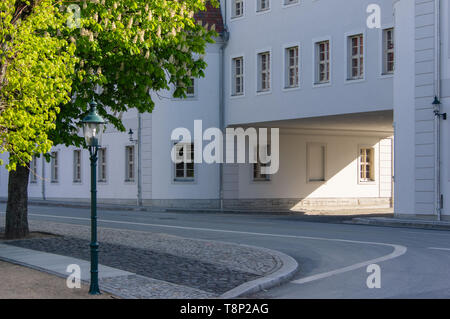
(139, 287)
(162, 266)
(166, 266)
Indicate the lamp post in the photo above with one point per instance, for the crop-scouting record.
(93, 125)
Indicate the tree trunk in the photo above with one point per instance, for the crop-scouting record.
(17, 207)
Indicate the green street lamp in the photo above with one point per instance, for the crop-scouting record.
(93, 125)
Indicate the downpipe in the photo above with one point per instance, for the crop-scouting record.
(43, 178)
(225, 37)
(139, 160)
(436, 110)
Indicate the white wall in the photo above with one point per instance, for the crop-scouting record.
(303, 24)
(404, 115)
(445, 100)
(341, 169)
(275, 29)
(115, 188)
(170, 114)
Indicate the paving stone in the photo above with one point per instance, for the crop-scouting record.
(166, 266)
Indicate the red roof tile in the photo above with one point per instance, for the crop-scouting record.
(212, 16)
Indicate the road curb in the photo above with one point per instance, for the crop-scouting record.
(404, 223)
(288, 268)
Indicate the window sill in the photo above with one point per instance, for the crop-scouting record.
(184, 181)
(237, 96)
(288, 5)
(264, 92)
(386, 75)
(262, 11)
(291, 88)
(185, 99)
(355, 80)
(367, 183)
(321, 84)
(236, 18)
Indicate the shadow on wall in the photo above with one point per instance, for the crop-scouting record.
(318, 173)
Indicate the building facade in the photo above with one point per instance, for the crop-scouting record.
(421, 99)
(333, 86)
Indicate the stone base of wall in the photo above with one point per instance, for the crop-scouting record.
(183, 203)
(421, 217)
(275, 204)
(112, 201)
(307, 204)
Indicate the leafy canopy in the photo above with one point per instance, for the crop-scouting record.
(121, 51)
(36, 71)
(126, 49)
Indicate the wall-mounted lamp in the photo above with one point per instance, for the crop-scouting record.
(437, 109)
(130, 134)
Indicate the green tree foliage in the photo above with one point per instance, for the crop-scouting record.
(36, 70)
(127, 49)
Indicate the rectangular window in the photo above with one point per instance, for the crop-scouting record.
(323, 62)
(288, 2)
(388, 51)
(33, 170)
(238, 76)
(54, 167)
(184, 168)
(366, 165)
(292, 67)
(77, 166)
(316, 162)
(190, 90)
(263, 5)
(264, 72)
(238, 8)
(356, 57)
(258, 176)
(102, 165)
(129, 163)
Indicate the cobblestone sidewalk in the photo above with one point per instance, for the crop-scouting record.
(165, 266)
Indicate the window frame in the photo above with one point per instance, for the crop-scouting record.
(372, 179)
(262, 177)
(77, 166)
(316, 65)
(385, 51)
(127, 164)
(233, 15)
(54, 167)
(102, 165)
(259, 71)
(309, 180)
(33, 170)
(185, 179)
(349, 57)
(286, 66)
(194, 88)
(259, 9)
(233, 77)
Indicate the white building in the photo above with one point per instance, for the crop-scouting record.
(422, 171)
(314, 70)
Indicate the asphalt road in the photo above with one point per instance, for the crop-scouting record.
(333, 257)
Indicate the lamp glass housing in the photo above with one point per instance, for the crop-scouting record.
(93, 133)
(93, 127)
